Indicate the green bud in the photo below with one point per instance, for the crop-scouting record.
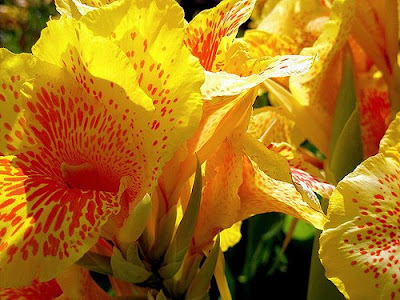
(135, 223)
(127, 270)
(180, 244)
(198, 290)
(96, 262)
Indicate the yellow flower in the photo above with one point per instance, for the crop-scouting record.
(359, 244)
(88, 136)
(326, 30)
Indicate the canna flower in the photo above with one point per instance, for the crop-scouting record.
(326, 30)
(359, 244)
(90, 122)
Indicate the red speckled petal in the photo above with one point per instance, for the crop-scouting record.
(56, 197)
(303, 171)
(209, 34)
(68, 44)
(260, 193)
(14, 71)
(151, 33)
(360, 241)
(45, 226)
(37, 290)
(373, 100)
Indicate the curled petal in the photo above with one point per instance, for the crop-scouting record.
(259, 193)
(227, 84)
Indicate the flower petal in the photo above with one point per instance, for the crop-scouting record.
(68, 44)
(227, 84)
(230, 236)
(151, 34)
(222, 181)
(375, 112)
(316, 90)
(259, 193)
(359, 244)
(45, 226)
(211, 32)
(303, 171)
(14, 71)
(37, 290)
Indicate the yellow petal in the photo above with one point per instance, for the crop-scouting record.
(300, 20)
(302, 171)
(68, 44)
(57, 195)
(77, 8)
(359, 244)
(230, 236)
(220, 194)
(227, 84)
(45, 226)
(272, 124)
(14, 71)
(316, 90)
(211, 32)
(375, 30)
(267, 44)
(151, 33)
(390, 143)
(259, 193)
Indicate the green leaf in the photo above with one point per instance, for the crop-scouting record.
(199, 288)
(346, 144)
(126, 270)
(263, 231)
(302, 231)
(96, 262)
(180, 244)
(136, 222)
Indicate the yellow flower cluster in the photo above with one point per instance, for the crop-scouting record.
(129, 145)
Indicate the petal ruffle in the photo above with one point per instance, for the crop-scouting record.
(14, 71)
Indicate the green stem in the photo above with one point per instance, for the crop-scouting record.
(319, 287)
